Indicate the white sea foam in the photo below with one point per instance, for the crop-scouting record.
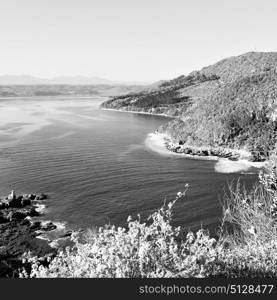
(53, 235)
(40, 208)
(59, 225)
(227, 166)
(157, 143)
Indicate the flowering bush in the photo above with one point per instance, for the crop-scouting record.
(247, 260)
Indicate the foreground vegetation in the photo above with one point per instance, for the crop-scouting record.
(246, 243)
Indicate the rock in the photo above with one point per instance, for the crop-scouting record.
(205, 152)
(67, 234)
(35, 225)
(213, 152)
(199, 153)
(25, 202)
(187, 151)
(41, 197)
(12, 195)
(18, 232)
(31, 212)
(31, 196)
(18, 237)
(3, 204)
(179, 150)
(14, 202)
(176, 149)
(48, 226)
(3, 218)
(16, 215)
(234, 157)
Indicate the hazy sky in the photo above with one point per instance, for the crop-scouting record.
(142, 40)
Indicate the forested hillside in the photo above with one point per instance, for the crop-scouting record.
(229, 104)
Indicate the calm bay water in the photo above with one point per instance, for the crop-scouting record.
(96, 167)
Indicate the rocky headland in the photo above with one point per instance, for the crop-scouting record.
(21, 231)
(223, 110)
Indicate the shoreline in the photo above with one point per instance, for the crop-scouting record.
(22, 231)
(227, 160)
(162, 144)
(137, 112)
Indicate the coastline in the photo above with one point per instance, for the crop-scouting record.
(22, 231)
(162, 144)
(137, 112)
(227, 160)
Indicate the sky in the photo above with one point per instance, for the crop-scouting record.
(127, 40)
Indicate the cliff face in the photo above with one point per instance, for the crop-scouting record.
(229, 104)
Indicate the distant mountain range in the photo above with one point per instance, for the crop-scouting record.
(61, 80)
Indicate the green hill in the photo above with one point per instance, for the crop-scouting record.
(229, 104)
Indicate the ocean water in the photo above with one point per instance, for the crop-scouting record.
(98, 167)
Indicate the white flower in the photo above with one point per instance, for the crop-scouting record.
(190, 237)
(252, 230)
(179, 194)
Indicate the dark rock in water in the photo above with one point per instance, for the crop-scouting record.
(19, 214)
(48, 226)
(32, 196)
(32, 212)
(12, 195)
(14, 202)
(25, 202)
(35, 225)
(67, 234)
(18, 237)
(18, 234)
(41, 197)
(3, 204)
(3, 218)
(16, 215)
(11, 201)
